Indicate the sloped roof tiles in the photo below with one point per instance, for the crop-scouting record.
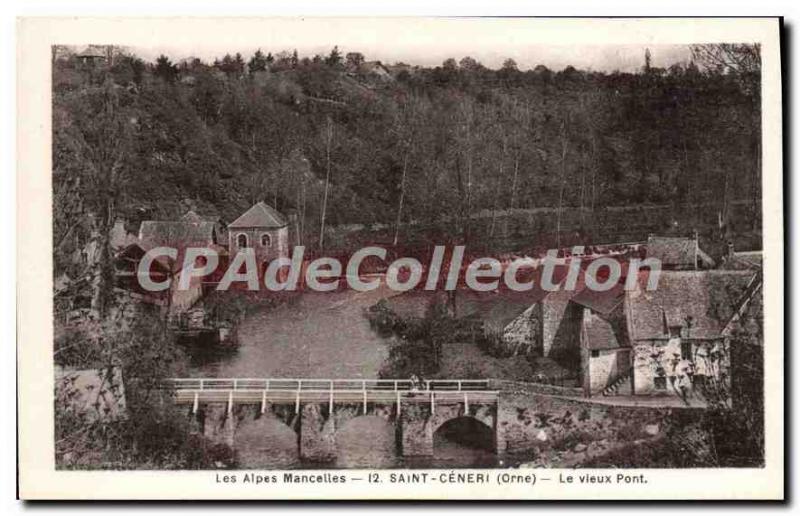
(260, 215)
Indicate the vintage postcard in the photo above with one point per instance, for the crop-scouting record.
(400, 258)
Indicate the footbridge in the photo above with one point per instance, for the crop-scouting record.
(316, 408)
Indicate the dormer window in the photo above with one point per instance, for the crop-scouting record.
(266, 241)
(241, 240)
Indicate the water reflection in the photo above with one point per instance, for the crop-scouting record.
(321, 335)
(363, 442)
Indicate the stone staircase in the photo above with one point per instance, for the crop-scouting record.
(620, 386)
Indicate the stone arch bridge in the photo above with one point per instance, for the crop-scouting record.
(314, 409)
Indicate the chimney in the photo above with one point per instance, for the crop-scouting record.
(730, 249)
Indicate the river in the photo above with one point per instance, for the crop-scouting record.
(323, 335)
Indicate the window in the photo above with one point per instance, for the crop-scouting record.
(595, 353)
(265, 240)
(241, 240)
(686, 350)
(660, 383)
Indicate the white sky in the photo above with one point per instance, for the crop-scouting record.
(625, 58)
(604, 45)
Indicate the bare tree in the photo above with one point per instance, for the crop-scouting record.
(328, 141)
(406, 127)
(101, 147)
(563, 182)
(729, 57)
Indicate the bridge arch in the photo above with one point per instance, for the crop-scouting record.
(486, 420)
(317, 409)
(464, 440)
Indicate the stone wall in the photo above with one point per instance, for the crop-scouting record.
(659, 368)
(279, 242)
(525, 422)
(533, 423)
(553, 307)
(609, 365)
(522, 336)
(561, 329)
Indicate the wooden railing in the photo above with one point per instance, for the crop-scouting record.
(312, 384)
(305, 390)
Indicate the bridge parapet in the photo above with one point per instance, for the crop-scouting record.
(317, 404)
(313, 384)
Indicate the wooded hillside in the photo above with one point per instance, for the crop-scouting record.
(452, 147)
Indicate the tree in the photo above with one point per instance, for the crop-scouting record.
(334, 59)
(165, 70)
(510, 65)
(509, 71)
(354, 60)
(563, 180)
(232, 65)
(97, 139)
(328, 142)
(407, 127)
(238, 62)
(469, 64)
(739, 58)
(283, 60)
(257, 63)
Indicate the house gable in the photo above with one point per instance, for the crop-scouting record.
(260, 215)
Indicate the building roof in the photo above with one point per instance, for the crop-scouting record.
(601, 302)
(705, 260)
(193, 216)
(708, 297)
(744, 260)
(176, 233)
(134, 252)
(375, 67)
(92, 51)
(497, 309)
(260, 215)
(673, 251)
(601, 333)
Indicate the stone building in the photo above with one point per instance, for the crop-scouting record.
(604, 347)
(678, 333)
(669, 341)
(94, 55)
(192, 230)
(263, 229)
